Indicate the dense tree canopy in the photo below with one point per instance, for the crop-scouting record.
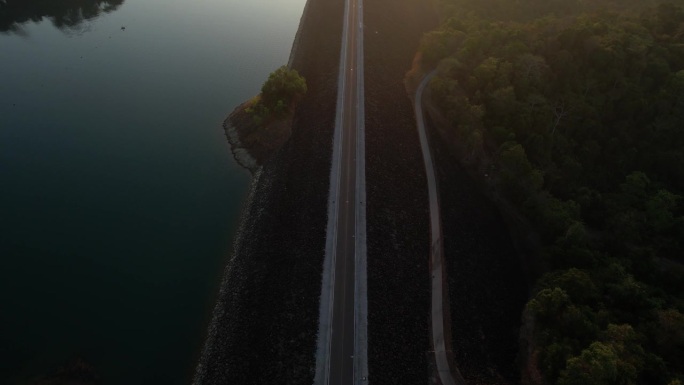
(576, 112)
(279, 94)
(63, 13)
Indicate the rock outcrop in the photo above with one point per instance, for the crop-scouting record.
(253, 144)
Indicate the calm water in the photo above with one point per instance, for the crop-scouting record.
(118, 193)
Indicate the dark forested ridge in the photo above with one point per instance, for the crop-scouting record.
(63, 14)
(573, 113)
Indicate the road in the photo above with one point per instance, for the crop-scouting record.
(342, 336)
(447, 376)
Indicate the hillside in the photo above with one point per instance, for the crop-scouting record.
(570, 114)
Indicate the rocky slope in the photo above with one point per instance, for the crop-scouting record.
(266, 317)
(252, 144)
(398, 230)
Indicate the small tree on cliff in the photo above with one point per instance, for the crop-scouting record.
(279, 94)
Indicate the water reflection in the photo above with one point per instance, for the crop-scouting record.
(118, 194)
(64, 14)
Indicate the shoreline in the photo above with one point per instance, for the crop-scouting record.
(265, 322)
(200, 366)
(263, 325)
(240, 154)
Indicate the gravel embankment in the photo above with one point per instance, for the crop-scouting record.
(397, 213)
(266, 317)
(487, 287)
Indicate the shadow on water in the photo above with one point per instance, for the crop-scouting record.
(65, 14)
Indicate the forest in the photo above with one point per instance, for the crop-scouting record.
(573, 112)
(64, 15)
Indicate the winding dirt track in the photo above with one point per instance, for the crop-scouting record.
(446, 376)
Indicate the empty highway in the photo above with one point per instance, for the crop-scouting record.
(342, 344)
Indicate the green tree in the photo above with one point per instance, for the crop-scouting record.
(549, 304)
(284, 85)
(596, 365)
(279, 94)
(670, 334)
(519, 177)
(574, 282)
(659, 210)
(577, 118)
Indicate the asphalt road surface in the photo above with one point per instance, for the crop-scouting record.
(342, 346)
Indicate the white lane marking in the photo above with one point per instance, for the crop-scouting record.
(326, 308)
(360, 287)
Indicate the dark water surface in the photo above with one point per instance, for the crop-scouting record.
(118, 193)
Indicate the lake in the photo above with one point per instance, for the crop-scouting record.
(119, 196)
